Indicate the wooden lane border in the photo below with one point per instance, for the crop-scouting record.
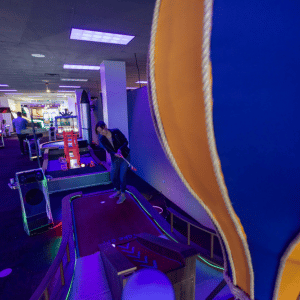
(215, 262)
(66, 247)
(195, 224)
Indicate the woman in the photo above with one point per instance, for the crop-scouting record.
(115, 143)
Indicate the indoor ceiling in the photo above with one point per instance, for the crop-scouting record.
(43, 27)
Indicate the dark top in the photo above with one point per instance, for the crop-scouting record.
(19, 124)
(119, 141)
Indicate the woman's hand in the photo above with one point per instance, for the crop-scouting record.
(119, 153)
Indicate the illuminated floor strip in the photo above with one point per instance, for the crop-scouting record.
(205, 261)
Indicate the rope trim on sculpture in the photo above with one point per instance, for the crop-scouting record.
(236, 291)
(211, 139)
(283, 260)
(162, 136)
(151, 105)
(160, 128)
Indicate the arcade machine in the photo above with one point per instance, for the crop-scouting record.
(6, 121)
(5, 129)
(1, 139)
(34, 146)
(52, 133)
(35, 202)
(33, 141)
(49, 114)
(66, 123)
(33, 134)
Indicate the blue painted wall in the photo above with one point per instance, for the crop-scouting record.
(149, 158)
(255, 51)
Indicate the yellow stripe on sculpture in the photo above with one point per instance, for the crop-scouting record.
(181, 99)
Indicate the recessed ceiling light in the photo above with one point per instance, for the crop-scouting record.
(72, 79)
(142, 81)
(81, 67)
(70, 86)
(8, 90)
(100, 37)
(38, 55)
(3, 84)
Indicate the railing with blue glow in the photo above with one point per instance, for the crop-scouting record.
(189, 223)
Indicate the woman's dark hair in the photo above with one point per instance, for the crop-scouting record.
(99, 124)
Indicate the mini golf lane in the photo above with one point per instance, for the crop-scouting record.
(99, 219)
(55, 170)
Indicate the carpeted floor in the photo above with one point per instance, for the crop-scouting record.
(30, 257)
(107, 220)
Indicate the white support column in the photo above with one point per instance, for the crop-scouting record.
(113, 85)
(71, 105)
(78, 93)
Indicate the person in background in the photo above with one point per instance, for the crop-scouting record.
(19, 124)
(115, 143)
(3, 127)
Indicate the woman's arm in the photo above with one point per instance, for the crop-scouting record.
(121, 139)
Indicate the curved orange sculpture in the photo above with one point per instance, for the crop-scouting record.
(182, 102)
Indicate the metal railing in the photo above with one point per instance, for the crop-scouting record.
(56, 283)
(194, 224)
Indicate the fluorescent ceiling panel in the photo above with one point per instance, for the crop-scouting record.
(8, 90)
(3, 84)
(13, 93)
(100, 37)
(70, 86)
(66, 91)
(81, 67)
(38, 55)
(72, 79)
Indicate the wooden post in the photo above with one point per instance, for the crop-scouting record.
(62, 277)
(189, 233)
(211, 246)
(68, 252)
(171, 222)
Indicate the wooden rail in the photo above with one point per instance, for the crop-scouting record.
(193, 223)
(56, 283)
